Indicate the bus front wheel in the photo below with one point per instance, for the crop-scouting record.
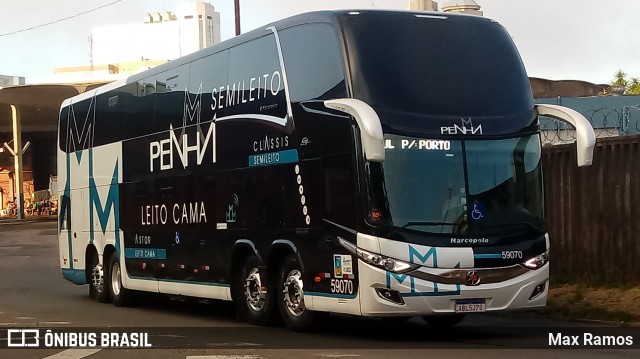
(120, 295)
(255, 297)
(294, 313)
(97, 288)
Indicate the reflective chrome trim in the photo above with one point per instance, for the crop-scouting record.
(459, 276)
(284, 72)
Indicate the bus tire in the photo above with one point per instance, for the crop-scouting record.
(295, 314)
(120, 296)
(443, 321)
(255, 297)
(98, 289)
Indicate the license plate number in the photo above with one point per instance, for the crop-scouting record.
(470, 306)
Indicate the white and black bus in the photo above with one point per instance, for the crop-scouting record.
(374, 163)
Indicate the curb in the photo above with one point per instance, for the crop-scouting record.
(28, 220)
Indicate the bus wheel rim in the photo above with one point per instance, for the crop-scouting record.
(115, 279)
(293, 293)
(254, 293)
(97, 279)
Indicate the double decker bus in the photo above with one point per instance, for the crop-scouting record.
(373, 163)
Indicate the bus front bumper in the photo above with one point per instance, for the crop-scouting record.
(385, 294)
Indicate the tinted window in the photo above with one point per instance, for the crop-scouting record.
(170, 101)
(110, 109)
(253, 104)
(255, 80)
(207, 74)
(313, 62)
(139, 119)
(63, 128)
(455, 66)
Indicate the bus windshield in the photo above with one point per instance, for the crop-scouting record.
(463, 187)
(435, 67)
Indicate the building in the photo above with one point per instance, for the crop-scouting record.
(11, 80)
(423, 5)
(117, 51)
(468, 7)
(104, 73)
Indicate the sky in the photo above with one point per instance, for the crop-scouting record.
(558, 39)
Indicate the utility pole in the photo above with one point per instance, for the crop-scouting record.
(237, 6)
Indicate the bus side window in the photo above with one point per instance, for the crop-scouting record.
(170, 99)
(315, 72)
(255, 73)
(312, 56)
(109, 118)
(63, 129)
(139, 113)
(207, 75)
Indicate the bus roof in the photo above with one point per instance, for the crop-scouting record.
(333, 17)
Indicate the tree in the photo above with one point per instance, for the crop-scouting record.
(620, 79)
(633, 87)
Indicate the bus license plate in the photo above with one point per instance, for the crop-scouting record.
(470, 306)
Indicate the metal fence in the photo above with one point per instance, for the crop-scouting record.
(593, 213)
(606, 121)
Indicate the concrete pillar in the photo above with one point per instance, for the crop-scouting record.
(17, 150)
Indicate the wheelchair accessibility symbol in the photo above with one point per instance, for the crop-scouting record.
(478, 211)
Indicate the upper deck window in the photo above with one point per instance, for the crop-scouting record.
(313, 60)
(454, 66)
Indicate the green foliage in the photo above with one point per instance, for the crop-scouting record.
(620, 79)
(631, 86)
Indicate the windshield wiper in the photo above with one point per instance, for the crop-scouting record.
(421, 223)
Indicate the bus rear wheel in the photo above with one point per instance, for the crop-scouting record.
(254, 295)
(120, 296)
(97, 288)
(294, 313)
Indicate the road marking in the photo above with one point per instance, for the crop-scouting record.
(25, 318)
(336, 355)
(7, 324)
(55, 323)
(170, 336)
(73, 354)
(228, 356)
(239, 344)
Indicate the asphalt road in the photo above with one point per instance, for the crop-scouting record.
(33, 295)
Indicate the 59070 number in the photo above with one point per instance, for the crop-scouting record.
(342, 286)
(511, 254)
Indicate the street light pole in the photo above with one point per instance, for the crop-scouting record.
(237, 8)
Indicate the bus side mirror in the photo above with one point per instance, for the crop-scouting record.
(369, 123)
(585, 136)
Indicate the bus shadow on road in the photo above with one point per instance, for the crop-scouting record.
(344, 331)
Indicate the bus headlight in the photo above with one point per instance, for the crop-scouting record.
(386, 263)
(537, 261)
(378, 260)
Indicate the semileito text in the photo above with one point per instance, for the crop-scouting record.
(245, 91)
(178, 213)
